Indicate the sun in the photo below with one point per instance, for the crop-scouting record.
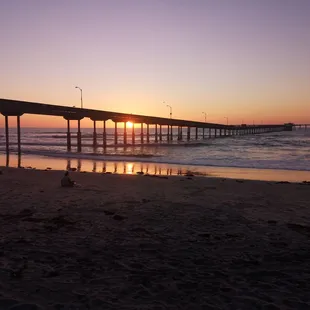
(129, 124)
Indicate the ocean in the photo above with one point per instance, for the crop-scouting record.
(280, 155)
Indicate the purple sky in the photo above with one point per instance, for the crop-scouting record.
(246, 59)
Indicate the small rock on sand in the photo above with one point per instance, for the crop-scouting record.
(188, 174)
(204, 235)
(26, 212)
(272, 222)
(302, 229)
(119, 217)
(160, 177)
(107, 212)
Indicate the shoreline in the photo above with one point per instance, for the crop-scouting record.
(132, 167)
(137, 242)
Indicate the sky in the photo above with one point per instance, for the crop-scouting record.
(247, 60)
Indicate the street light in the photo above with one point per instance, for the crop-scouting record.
(170, 109)
(226, 120)
(205, 116)
(81, 96)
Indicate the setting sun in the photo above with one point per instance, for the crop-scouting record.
(129, 124)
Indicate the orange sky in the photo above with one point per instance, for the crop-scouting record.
(245, 60)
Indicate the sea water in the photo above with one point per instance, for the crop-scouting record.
(282, 151)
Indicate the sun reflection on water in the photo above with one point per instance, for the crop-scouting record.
(129, 168)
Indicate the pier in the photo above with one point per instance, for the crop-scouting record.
(301, 126)
(166, 130)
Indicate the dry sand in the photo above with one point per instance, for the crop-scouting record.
(140, 242)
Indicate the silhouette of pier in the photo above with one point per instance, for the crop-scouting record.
(301, 126)
(173, 127)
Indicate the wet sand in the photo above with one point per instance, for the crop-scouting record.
(143, 242)
(130, 167)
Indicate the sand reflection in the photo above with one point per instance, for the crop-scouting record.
(131, 168)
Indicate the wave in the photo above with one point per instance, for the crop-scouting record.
(89, 143)
(84, 155)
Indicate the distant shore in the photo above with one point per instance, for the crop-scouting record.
(132, 167)
(145, 242)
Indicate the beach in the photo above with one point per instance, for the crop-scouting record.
(152, 242)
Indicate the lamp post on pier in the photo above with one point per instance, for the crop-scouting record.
(205, 114)
(81, 96)
(169, 106)
(226, 120)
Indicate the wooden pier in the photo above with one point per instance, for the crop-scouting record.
(174, 127)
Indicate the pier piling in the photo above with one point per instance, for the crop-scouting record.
(104, 135)
(95, 135)
(125, 133)
(156, 137)
(133, 134)
(115, 133)
(68, 136)
(7, 142)
(168, 133)
(142, 136)
(18, 136)
(79, 137)
(148, 133)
